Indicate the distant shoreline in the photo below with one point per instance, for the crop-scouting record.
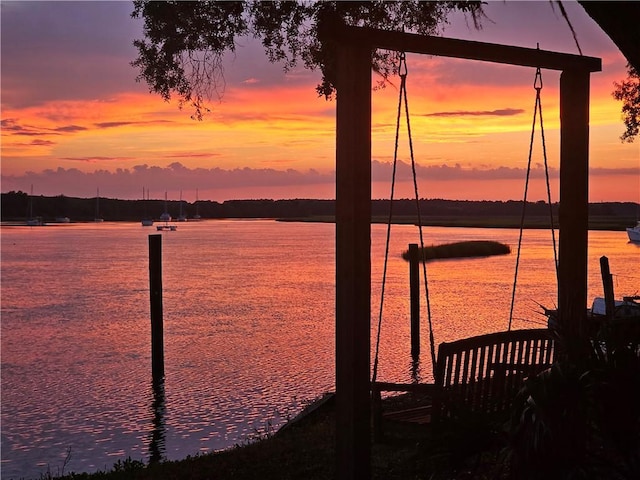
(535, 223)
(16, 207)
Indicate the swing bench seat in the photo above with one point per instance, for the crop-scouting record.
(477, 375)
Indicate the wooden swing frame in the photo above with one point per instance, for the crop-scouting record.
(353, 207)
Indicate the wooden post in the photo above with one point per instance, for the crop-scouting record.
(155, 289)
(353, 262)
(414, 288)
(574, 202)
(607, 283)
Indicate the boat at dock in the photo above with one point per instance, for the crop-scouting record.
(625, 308)
(97, 219)
(166, 218)
(607, 308)
(197, 215)
(147, 221)
(181, 217)
(166, 228)
(33, 221)
(634, 233)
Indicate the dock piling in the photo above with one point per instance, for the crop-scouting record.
(414, 281)
(155, 290)
(607, 283)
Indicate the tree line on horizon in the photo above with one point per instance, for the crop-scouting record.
(16, 206)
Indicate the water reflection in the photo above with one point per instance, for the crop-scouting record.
(416, 374)
(85, 322)
(157, 446)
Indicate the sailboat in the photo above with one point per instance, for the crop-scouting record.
(182, 217)
(166, 218)
(146, 221)
(33, 221)
(98, 219)
(197, 215)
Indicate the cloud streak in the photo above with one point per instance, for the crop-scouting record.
(117, 124)
(15, 128)
(38, 143)
(95, 159)
(70, 129)
(503, 112)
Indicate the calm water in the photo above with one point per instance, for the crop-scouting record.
(249, 329)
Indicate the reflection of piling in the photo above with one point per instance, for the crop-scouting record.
(157, 440)
(414, 281)
(155, 287)
(416, 376)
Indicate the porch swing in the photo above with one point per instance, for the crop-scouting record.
(477, 375)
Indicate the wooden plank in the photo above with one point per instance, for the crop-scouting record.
(452, 47)
(465, 368)
(474, 381)
(457, 361)
(528, 358)
(483, 373)
(511, 373)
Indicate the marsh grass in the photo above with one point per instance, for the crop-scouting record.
(472, 248)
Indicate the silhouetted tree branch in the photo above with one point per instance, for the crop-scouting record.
(185, 42)
(628, 92)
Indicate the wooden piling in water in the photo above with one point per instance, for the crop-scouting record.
(607, 283)
(414, 287)
(155, 290)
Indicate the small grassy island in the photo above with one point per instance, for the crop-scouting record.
(471, 248)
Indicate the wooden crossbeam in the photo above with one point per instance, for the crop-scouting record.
(457, 48)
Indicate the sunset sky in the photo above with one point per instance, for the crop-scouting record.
(74, 119)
